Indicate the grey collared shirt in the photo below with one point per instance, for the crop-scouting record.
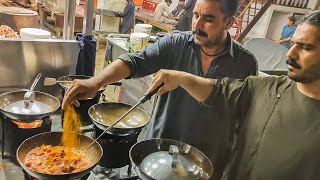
(177, 115)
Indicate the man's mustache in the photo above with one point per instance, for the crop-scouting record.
(200, 33)
(293, 63)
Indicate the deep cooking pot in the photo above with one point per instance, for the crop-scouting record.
(54, 138)
(12, 105)
(105, 114)
(82, 110)
(165, 159)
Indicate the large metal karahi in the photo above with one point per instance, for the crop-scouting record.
(165, 159)
(54, 138)
(105, 114)
(12, 105)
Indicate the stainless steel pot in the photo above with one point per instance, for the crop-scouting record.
(165, 159)
(12, 105)
(82, 110)
(105, 114)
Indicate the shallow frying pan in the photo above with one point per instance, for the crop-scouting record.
(53, 138)
(12, 105)
(105, 114)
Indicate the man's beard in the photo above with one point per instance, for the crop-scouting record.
(295, 65)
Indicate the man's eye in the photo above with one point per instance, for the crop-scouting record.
(307, 48)
(208, 19)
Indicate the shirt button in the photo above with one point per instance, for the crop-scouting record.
(278, 95)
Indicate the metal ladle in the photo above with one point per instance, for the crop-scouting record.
(29, 96)
(142, 100)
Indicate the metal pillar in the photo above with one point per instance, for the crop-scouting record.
(69, 19)
(88, 18)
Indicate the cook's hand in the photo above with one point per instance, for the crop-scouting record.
(79, 90)
(170, 78)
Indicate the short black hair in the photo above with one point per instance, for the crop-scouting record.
(312, 18)
(229, 7)
(182, 0)
(292, 19)
(170, 1)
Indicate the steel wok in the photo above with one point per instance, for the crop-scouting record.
(105, 114)
(9, 99)
(53, 138)
(141, 150)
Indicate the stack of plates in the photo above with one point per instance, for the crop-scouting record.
(143, 28)
(34, 33)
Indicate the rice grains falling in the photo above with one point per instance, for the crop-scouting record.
(71, 126)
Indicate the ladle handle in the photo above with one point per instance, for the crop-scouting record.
(35, 81)
(149, 95)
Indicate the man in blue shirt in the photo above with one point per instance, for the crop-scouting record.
(287, 33)
(206, 51)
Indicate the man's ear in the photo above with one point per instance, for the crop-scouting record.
(229, 22)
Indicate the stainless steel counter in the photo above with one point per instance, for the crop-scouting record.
(22, 59)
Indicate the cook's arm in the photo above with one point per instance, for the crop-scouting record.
(146, 62)
(198, 87)
(83, 89)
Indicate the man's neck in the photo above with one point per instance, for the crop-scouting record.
(310, 89)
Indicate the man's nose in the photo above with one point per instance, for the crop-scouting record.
(198, 24)
(292, 53)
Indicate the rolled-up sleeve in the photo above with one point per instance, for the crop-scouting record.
(151, 59)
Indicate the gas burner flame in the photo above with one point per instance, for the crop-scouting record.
(32, 125)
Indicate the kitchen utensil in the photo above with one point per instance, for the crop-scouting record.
(165, 159)
(54, 138)
(29, 96)
(82, 110)
(142, 100)
(53, 81)
(12, 105)
(103, 115)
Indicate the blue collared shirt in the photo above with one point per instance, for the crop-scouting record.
(287, 32)
(178, 115)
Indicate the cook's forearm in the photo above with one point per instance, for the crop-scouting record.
(198, 87)
(112, 73)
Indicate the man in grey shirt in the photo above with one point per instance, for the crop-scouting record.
(279, 116)
(208, 51)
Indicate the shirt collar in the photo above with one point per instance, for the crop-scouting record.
(229, 39)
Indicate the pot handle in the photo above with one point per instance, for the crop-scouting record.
(175, 157)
